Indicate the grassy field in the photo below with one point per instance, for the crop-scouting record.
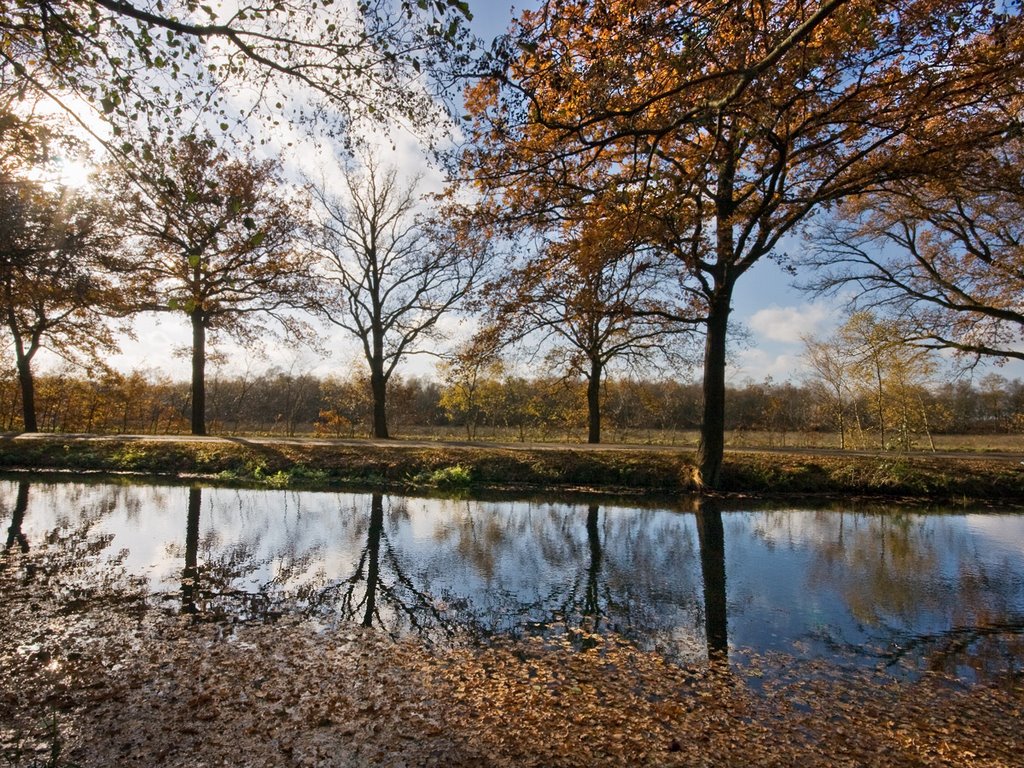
(689, 438)
(972, 476)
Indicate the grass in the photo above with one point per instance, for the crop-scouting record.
(734, 438)
(298, 464)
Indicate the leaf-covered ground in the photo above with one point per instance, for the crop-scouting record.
(95, 674)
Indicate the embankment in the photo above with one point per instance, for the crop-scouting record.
(396, 464)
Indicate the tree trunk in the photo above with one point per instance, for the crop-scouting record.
(927, 428)
(594, 402)
(712, 430)
(26, 382)
(842, 426)
(198, 372)
(28, 392)
(881, 407)
(379, 388)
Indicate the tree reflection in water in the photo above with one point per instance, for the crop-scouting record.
(17, 541)
(591, 605)
(711, 535)
(919, 591)
(15, 536)
(884, 586)
(190, 573)
(216, 588)
(380, 591)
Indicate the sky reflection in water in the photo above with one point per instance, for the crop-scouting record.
(938, 591)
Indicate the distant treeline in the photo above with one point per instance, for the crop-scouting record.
(277, 402)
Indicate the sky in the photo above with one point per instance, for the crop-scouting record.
(773, 314)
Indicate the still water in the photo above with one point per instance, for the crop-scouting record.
(908, 589)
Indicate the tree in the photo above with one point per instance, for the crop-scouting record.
(470, 375)
(889, 372)
(393, 272)
(591, 294)
(944, 255)
(216, 244)
(725, 127)
(56, 247)
(829, 368)
(174, 59)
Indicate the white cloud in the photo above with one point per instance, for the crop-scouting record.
(759, 364)
(789, 324)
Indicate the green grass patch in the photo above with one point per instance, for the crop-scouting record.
(456, 476)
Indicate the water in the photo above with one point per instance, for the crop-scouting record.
(906, 589)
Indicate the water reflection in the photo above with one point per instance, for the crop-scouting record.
(592, 603)
(379, 592)
(944, 592)
(711, 535)
(15, 536)
(190, 573)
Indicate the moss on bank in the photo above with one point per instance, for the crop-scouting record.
(320, 464)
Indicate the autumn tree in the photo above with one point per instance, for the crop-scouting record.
(889, 372)
(56, 247)
(470, 373)
(728, 126)
(392, 270)
(215, 245)
(944, 254)
(829, 377)
(589, 298)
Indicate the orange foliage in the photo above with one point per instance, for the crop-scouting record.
(715, 130)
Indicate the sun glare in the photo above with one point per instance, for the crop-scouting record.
(66, 172)
(70, 172)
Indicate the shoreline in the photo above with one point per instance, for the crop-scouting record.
(620, 470)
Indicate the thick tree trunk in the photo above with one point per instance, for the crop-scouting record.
(28, 393)
(379, 388)
(594, 402)
(198, 372)
(712, 431)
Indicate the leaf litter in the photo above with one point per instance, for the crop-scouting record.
(99, 676)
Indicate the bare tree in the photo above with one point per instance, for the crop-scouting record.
(829, 364)
(392, 271)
